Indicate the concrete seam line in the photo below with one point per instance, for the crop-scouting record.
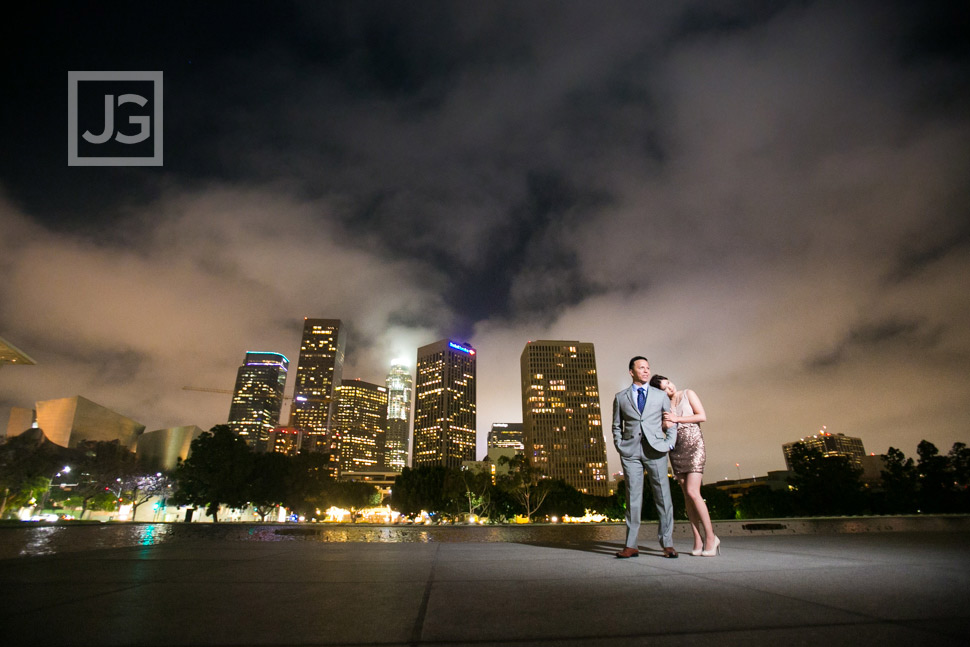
(423, 609)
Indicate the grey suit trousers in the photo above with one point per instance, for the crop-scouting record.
(654, 463)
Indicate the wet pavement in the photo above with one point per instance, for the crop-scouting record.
(188, 584)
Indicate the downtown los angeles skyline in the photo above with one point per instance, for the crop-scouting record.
(767, 199)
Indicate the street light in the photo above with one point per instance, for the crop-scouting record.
(64, 470)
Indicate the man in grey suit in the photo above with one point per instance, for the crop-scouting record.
(643, 438)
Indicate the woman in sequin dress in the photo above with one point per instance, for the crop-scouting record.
(687, 459)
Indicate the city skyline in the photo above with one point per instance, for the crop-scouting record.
(767, 200)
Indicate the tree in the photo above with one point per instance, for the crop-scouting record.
(102, 466)
(217, 472)
(477, 486)
(562, 499)
(935, 479)
(308, 478)
(140, 487)
(720, 505)
(27, 463)
(429, 488)
(825, 485)
(525, 483)
(959, 458)
(762, 502)
(268, 486)
(900, 484)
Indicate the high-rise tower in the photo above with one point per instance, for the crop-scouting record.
(359, 425)
(444, 405)
(506, 435)
(317, 376)
(562, 426)
(398, 417)
(258, 397)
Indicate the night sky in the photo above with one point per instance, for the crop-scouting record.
(770, 200)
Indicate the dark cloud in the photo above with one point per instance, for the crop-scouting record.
(730, 188)
(929, 246)
(894, 335)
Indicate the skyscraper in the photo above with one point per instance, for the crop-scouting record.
(444, 405)
(398, 417)
(506, 435)
(317, 376)
(359, 425)
(258, 397)
(562, 427)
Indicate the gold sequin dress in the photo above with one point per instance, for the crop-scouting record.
(688, 455)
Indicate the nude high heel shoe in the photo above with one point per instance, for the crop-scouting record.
(714, 551)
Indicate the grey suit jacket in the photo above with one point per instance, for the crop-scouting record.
(630, 427)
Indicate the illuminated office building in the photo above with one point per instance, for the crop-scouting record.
(444, 405)
(398, 418)
(562, 426)
(506, 435)
(318, 375)
(285, 440)
(829, 445)
(258, 397)
(359, 425)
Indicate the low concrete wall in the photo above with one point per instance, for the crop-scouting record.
(835, 525)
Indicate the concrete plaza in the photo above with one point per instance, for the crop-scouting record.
(873, 588)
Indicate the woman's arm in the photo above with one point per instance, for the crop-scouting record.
(695, 404)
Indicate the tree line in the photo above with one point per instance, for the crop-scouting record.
(100, 475)
(223, 471)
(821, 485)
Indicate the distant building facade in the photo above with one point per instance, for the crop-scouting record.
(69, 421)
(360, 426)
(444, 405)
(21, 419)
(562, 423)
(162, 449)
(10, 354)
(258, 397)
(829, 445)
(285, 440)
(318, 375)
(506, 435)
(398, 418)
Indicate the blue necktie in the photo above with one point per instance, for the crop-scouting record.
(641, 398)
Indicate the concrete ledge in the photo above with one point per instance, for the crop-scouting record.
(835, 525)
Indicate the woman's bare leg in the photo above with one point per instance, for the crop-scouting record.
(692, 493)
(692, 515)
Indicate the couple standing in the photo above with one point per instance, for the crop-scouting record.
(652, 418)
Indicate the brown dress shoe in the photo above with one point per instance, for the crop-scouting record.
(670, 552)
(628, 552)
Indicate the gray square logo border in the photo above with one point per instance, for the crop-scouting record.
(72, 115)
